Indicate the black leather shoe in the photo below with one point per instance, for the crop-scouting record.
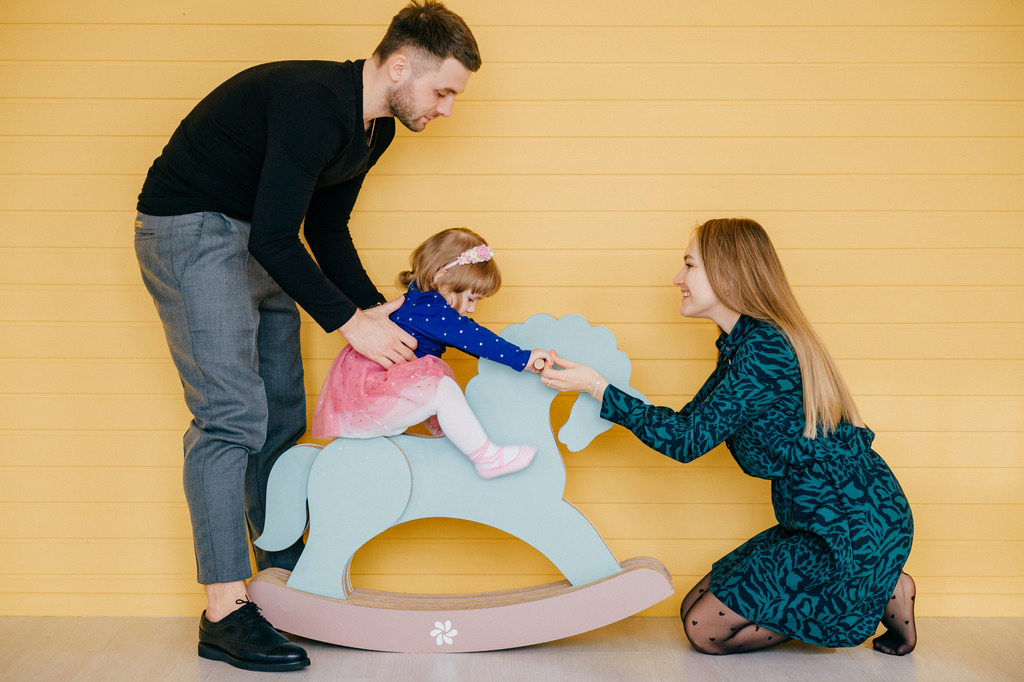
(246, 640)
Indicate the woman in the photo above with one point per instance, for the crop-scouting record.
(831, 569)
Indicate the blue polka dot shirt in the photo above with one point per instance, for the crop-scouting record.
(437, 326)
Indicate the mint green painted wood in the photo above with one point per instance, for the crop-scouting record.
(289, 479)
(359, 488)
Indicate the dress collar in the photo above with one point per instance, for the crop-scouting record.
(728, 343)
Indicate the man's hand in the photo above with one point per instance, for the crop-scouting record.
(374, 335)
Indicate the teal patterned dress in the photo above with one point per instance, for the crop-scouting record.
(824, 574)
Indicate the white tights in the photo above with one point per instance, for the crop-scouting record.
(463, 429)
(454, 415)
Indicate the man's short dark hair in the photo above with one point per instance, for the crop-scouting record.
(433, 29)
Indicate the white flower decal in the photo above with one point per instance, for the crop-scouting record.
(443, 632)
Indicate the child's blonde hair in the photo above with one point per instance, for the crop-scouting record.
(437, 252)
(746, 275)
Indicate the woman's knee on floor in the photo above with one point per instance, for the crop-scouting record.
(708, 624)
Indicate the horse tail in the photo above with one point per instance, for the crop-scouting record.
(286, 498)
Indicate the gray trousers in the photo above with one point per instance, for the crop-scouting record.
(234, 337)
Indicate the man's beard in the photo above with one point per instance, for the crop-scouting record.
(401, 105)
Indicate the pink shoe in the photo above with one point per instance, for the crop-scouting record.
(507, 459)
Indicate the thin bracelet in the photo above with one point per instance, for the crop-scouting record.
(597, 384)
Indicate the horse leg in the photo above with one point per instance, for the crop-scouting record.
(357, 489)
(565, 536)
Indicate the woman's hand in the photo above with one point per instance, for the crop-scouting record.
(539, 359)
(372, 333)
(574, 377)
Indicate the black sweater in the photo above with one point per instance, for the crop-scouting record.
(275, 144)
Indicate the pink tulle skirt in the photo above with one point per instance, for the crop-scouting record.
(361, 399)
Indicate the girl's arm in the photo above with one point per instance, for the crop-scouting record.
(443, 323)
(466, 335)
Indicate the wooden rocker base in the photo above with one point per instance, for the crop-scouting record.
(443, 623)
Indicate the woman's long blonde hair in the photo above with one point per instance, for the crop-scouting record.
(433, 255)
(745, 273)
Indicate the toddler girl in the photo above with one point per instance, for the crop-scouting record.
(451, 272)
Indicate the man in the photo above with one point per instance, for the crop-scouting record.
(217, 238)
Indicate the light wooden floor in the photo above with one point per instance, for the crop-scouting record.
(637, 649)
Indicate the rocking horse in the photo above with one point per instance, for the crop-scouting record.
(356, 489)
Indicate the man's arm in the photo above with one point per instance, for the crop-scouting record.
(302, 136)
(327, 233)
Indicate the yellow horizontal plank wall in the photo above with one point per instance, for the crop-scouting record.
(881, 144)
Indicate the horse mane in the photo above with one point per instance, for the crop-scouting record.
(576, 339)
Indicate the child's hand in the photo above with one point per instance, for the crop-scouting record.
(538, 357)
